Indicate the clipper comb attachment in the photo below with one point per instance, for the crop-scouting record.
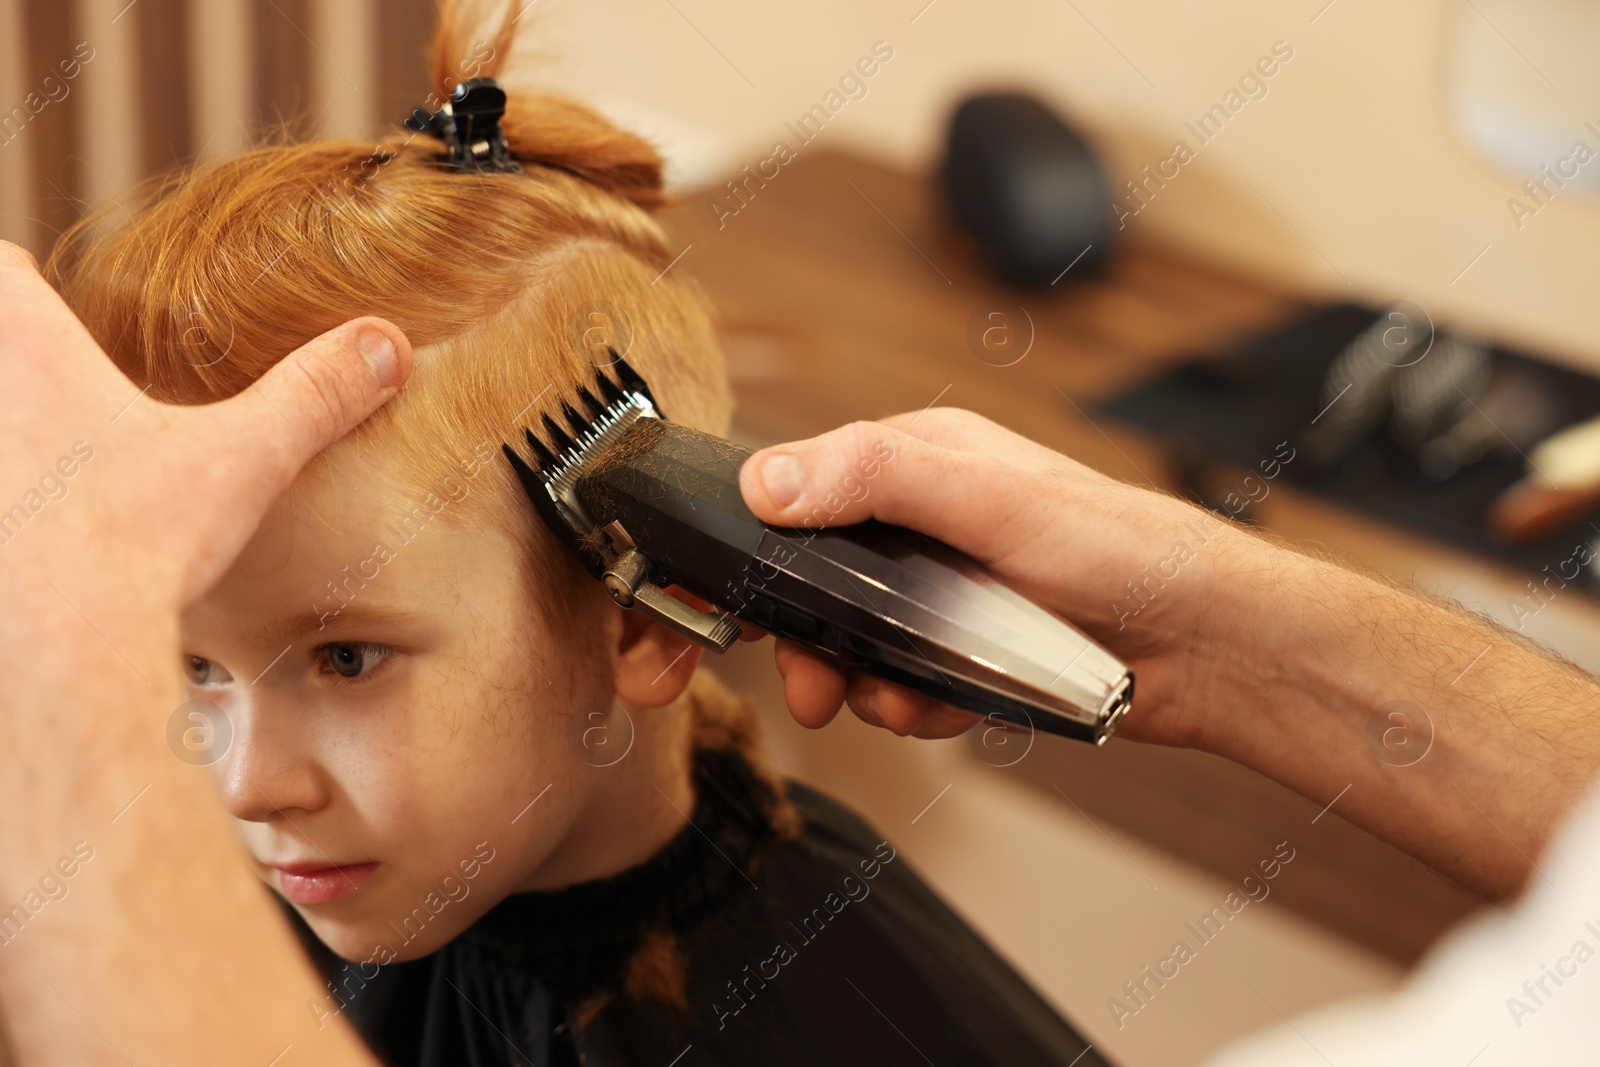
(606, 548)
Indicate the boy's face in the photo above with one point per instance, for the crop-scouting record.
(390, 709)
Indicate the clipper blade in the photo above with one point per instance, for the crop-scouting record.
(563, 454)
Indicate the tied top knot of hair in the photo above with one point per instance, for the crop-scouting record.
(469, 125)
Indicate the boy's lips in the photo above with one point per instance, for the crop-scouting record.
(307, 883)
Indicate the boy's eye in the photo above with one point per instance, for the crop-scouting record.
(202, 671)
(354, 660)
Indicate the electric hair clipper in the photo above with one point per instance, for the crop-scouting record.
(646, 503)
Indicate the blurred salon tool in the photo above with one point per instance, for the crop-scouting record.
(1562, 485)
(1445, 403)
(1027, 187)
(1512, 412)
(1234, 404)
(646, 503)
(1432, 394)
(1356, 397)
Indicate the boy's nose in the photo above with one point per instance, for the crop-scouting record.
(265, 774)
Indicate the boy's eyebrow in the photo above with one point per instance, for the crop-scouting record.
(310, 622)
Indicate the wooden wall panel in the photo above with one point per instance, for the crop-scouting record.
(403, 34)
(165, 93)
(57, 181)
(283, 53)
(190, 61)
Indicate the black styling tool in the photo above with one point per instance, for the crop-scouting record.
(646, 503)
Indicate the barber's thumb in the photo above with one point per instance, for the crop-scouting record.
(848, 475)
(316, 395)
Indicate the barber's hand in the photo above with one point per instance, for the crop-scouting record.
(171, 494)
(1054, 530)
(115, 512)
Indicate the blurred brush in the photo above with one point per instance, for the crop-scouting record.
(1434, 393)
(1354, 401)
(1562, 485)
(1514, 413)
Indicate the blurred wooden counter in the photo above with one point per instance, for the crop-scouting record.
(845, 294)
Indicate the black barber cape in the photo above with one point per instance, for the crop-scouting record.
(822, 950)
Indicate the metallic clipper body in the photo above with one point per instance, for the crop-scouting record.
(646, 503)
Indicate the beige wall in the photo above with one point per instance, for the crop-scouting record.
(1344, 180)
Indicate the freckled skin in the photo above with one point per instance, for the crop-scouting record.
(423, 762)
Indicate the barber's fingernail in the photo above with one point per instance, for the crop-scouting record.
(379, 350)
(781, 478)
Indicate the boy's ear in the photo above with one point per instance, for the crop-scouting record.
(653, 665)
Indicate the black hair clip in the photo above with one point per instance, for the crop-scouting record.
(469, 125)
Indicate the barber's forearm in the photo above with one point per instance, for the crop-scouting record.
(1242, 647)
(160, 946)
(1457, 744)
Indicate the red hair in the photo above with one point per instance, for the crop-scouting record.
(204, 277)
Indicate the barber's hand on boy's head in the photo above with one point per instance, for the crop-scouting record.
(116, 511)
(171, 494)
(1051, 528)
